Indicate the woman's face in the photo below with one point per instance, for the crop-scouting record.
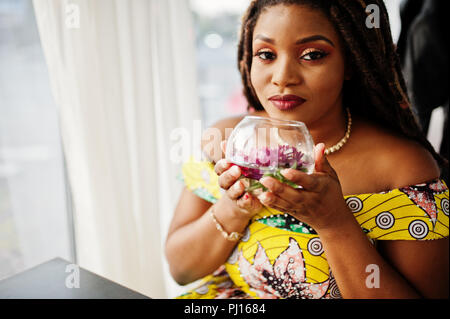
(298, 64)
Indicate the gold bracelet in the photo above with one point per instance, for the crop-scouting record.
(233, 236)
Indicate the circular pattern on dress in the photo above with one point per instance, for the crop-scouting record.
(315, 247)
(334, 290)
(385, 220)
(354, 203)
(444, 206)
(418, 229)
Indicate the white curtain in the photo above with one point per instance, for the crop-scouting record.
(123, 76)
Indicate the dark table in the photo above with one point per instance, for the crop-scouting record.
(51, 281)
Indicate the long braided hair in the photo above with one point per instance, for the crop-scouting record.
(377, 89)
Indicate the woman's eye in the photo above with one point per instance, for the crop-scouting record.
(309, 56)
(314, 55)
(265, 55)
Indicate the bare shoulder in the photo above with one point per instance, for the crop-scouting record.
(215, 134)
(396, 160)
(224, 126)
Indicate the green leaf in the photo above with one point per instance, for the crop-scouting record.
(256, 185)
(295, 165)
(277, 175)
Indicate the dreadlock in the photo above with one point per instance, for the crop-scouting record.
(377, 89)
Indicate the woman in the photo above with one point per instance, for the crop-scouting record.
(311, 61)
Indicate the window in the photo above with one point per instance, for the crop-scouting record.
(217, 25)
(35, 222)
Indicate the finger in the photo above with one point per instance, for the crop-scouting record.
(321, 161)
(306, 181)
(271, 200)
(221, 166)
(249, 203)
(229, 177)
(257, 192)
(281, 189)
(236, 190)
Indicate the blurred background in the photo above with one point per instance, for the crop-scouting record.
(51, 201)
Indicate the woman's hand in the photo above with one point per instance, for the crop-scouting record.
(319, 203)
(245, 205)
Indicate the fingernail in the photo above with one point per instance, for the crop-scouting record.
(225, 164)
(246, 196)
(285, 172)
(235, 170)
(323, 147)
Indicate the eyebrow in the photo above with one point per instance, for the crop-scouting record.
(301, 41)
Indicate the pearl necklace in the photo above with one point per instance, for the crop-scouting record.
(344, 140)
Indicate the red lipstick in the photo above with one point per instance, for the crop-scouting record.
(286, 102)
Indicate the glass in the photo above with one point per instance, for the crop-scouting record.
(263, 146)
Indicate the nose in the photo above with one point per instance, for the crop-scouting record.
(286, 72)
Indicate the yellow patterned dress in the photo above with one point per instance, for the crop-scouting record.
(281, 257)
